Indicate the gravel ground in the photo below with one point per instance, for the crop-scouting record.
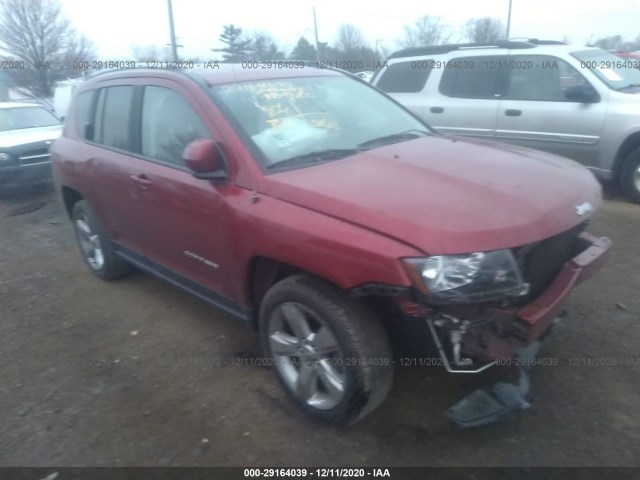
(136, 372)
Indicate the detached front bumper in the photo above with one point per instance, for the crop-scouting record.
(515, 332)
(471, 344)
(537, 317)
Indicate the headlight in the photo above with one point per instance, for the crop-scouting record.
(5, 157)
(473, 277)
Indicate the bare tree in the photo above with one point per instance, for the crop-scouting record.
(486, 29)
(35, 32)
(349, 38)
(615, 43)
(351, 50)
(150, 53)
(427, 30)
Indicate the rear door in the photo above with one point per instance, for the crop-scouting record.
(534, 111)
(109, 164)
(406, 81)
(465, 94)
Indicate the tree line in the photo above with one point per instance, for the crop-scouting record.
(39, 39)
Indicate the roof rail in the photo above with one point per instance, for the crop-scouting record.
(537, 41)
(440, 49)
(511, 44)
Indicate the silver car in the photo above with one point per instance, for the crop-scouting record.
(578, 102)
(26, 133)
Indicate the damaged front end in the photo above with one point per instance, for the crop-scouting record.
(486, 307)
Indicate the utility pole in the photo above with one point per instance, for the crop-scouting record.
(508, 19)
(315, 32)
(172, 32)
(379, 40)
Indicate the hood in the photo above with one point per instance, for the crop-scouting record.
(24, 136)
(445, 195)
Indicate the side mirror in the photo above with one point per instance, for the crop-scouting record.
(204, 158)
(582, 94)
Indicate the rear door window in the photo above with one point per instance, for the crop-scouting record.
(84, 102)
(113, 117)
(473, 77)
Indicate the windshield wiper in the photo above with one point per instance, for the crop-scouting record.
(394, 138)
(631, 85)
(317, 156)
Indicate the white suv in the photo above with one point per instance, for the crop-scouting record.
(578, 102)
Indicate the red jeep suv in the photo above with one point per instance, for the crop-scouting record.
(317, 209)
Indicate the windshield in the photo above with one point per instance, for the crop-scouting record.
(617, 73)
(299, 120)
(25, 117)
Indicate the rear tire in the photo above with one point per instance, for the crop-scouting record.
(95, 247)
(329, 352)
(630, 176)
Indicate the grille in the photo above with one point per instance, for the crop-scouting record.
(540, 262)
(31, 157)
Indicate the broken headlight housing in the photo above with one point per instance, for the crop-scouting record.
(474, 277)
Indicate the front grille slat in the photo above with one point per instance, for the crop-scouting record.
(32, 157)
(541, 262)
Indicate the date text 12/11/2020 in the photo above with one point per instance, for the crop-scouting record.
(411, 361)
(316, 472)
(215, 64)
(88, 65)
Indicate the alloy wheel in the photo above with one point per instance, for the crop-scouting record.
(89, 243)
(307, 355)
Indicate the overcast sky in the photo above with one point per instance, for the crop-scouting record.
(116, 25)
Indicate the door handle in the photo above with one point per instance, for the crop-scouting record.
(436, 109)
(141, 180)
(513, 113)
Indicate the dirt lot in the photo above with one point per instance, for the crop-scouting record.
(136, 372)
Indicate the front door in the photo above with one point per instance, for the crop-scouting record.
(534, 111)
(186, 221)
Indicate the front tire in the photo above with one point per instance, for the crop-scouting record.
(630, 176)
(94, 245)
(329, 352)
